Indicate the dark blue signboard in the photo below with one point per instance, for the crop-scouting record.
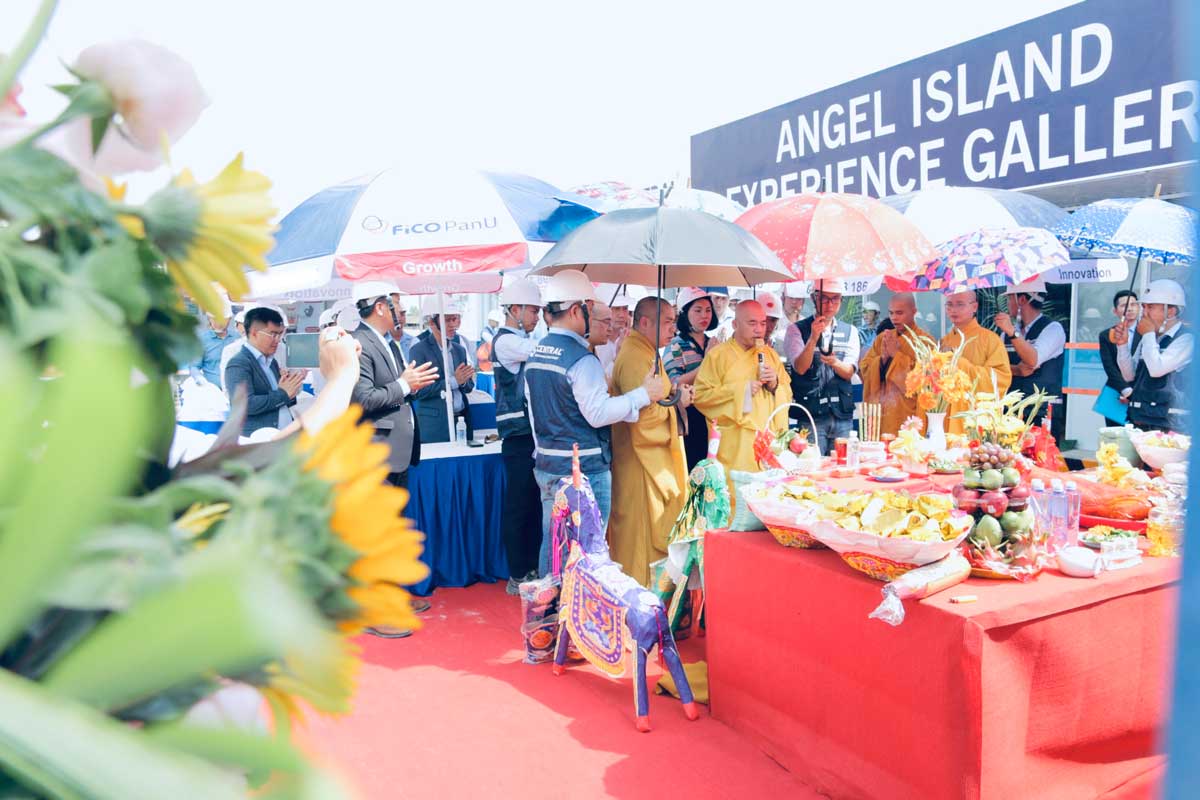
(1092, 89)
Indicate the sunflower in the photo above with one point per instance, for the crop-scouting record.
(209, 231)
(328, 690)
(367, 519)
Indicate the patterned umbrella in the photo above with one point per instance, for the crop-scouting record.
(987, 258)
(611, 195)
(822, 236)
(1136, 227)
(946, 212)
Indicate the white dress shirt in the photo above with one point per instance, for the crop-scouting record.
(511, 352)
(590, 389)
(1050, 343)
(1177, 355)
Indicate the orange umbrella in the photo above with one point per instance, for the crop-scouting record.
(829, 235)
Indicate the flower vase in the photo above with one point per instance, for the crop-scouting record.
(935, 432)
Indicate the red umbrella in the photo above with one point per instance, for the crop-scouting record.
(828, 235)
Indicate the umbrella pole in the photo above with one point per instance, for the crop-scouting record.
(449, 395)
(1132, 280)
(658, 365)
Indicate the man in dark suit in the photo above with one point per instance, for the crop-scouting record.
(271, 392)
(1125, 307)
(385, 390)
(431, 400)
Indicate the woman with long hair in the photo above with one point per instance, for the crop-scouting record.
(682, 361)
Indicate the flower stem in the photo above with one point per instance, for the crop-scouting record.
(11, 66)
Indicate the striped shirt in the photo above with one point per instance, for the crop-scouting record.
(683, 356)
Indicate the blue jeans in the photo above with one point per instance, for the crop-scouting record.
(830, 428)
(548, 482)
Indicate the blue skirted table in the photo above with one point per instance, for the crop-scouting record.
(486, 382)
(456, 500)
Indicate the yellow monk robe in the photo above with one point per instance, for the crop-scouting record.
(983, 357)
(725, 374)
(888, 391)
(649, 473)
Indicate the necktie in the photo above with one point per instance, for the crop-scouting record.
(397, 358)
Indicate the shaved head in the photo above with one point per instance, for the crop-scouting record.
(961, 307)
(645, 308)
(749, 323)
(902, 310)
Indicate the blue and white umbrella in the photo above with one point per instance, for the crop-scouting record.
(424, 228)
(1138, 227)
(943, 213)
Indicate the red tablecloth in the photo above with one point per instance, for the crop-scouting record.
(1054, 688)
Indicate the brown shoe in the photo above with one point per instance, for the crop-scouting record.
(420, 606)
(388, 632)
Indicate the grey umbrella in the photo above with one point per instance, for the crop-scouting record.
(664, 247)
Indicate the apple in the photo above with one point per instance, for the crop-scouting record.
(966, 499)
(1018, 498)
(796, 445)
(994, 503)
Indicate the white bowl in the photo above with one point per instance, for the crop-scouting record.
(1158, 457)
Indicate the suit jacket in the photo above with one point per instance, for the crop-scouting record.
(383, 402)
(431, 405)
(262, 402)
(1108, 357)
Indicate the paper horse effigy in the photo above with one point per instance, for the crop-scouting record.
(707, 508)
(601, 610)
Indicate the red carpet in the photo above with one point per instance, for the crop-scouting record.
(453, 712)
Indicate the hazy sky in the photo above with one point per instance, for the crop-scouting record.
(315, 92)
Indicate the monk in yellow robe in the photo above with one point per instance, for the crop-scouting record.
(983, 358)
(737, 394)
(649, 474)
(886, 366)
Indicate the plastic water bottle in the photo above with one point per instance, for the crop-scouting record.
(1059, 514)
(852, 450)
(1074, 503)
(1037, 500)
(460, 431)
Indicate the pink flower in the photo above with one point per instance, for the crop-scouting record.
(156, 95)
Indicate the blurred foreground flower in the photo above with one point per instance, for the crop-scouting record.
(155, 96)
(210, 231)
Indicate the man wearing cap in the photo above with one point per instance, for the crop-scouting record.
(648, 474)
(1126, 308)
(773, 308)
(983, 359)
(886, 365)
(232, 348)
(1035, 345)
(568, 400)
(870, 315)
(824, 352)
(739, 386)
(1155, 367)
(431, 400)
(721, 313)
(521, 525)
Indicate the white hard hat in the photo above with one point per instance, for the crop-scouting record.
(828, 286)
(770, 304)
(429, 306)
(797, 290)
(328, 317)
(569, 286)
(1092, 313)
(1035, 287)
(623, 300)
(368, 291)
(521, 292)
(871, 305)
(717, 291)
(495, 316)
(240, 317)
(1164, 291)
(689, 294)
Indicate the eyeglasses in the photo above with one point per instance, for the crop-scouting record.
(273, 335)
(603, 321)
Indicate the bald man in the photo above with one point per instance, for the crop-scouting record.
(739, 385)
(984, 358)
(886, 365)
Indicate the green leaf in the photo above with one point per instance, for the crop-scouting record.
(232, 746)
(95, 426)
(99, 128)
(230, 614)
(115, 567)
(62, 749)
(113, 270)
